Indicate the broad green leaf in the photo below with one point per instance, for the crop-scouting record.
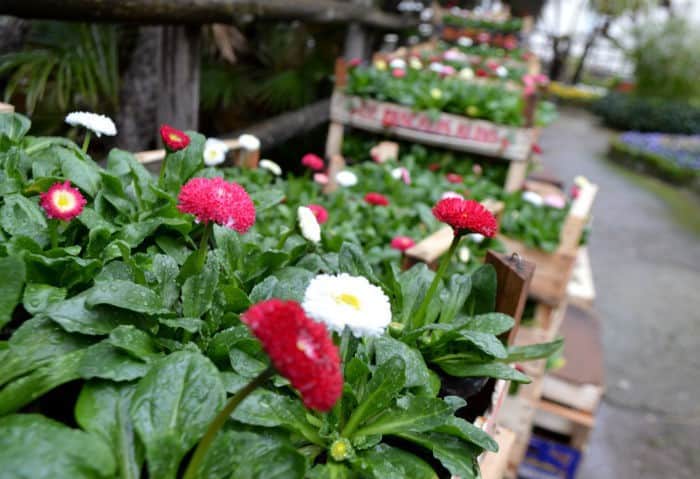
(492, 323)
(172, 408)
(125, 295)
(39, 297)
(13, 275)
(456, 426)
(353, 260)
(105, 361)
(464, 369)
(191, 325)
(83, 173)
(384, 461)
(263, 290)
(388, 379)
(14, 126)
(32, 446)
(27, 388)
(482, 298)
(454, 296)
(533, 351)
(22, 216)
(165, 270)
(331, 470)
(415, 414)
(60, 267)
(103, 409)
(272, 459)
(266, 199)
(182, 165)
(487, 343)
(455, 455)
(417, 372)
(291, 283)
(414, 285)
(73, 315)
(198, 290)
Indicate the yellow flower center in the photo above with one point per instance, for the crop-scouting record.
(349, 299)
(64, 200)
(436, 93)
(174, 137)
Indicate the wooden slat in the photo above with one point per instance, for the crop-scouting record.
(494, 465)
(578, 417)
(577, 219)
(155, 156)
(581, 289)
(582, 397)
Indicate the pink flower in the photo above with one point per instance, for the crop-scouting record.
(62, 202)
(321, 178)
(313, 162)
(536, 148)
(447, 70)
(214, 199)
(398, 73)
(402, 243)
(555, 201)
(355, 62)
(319, 212)
(477, 169)
(376, 199)
(454, 178)
(466, 216)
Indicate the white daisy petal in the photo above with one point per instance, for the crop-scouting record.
(308, 224)
(348, 301)
(214, 152)
(249, 142)
(98, 124)
(533, 198)
(346, 178)
(270, 166)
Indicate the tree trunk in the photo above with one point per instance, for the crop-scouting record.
(138, 95)
(12, 33)
(178, 92)
(560, 53)
(199, 12)
(590, 41)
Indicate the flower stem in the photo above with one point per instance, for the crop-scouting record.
(161, 175)
(86, 141)
(284, 237)
(220, 420)
(53, 234)
(418, 319)
(204, 246)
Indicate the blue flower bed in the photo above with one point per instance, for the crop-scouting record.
(684, 150)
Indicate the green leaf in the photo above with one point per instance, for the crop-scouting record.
(137, 343)
(465, 369)
(13, 275)
(103, 410)
(484, 342)
(533, 351)
(14, 126)
(125, 295)
(105, 361)
(415, 414)
(458, 427)
(39, 297)
(388, 379)
(455, 455)
(384, 461)
(75, 317)
(181, 165)
(272, 459)
(414, 285)
(331, 470)
(266, 199)
(32, 446)
(165, 270)
(291, 283)
(454, 297)
(198, 290)
(60, 267)
(84, 173)
(417, 372)
(172, 408)
(20, 216)
(483, 294)
(191, 325)
(492, 323)
(353, 260)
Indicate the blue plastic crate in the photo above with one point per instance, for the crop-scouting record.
(547, 459)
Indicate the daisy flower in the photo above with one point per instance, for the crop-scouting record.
(415, 63)
(399, 63)
(313, 162)
(214, 152)
(398, 73)
(319, 212)
(300, 349)
(321, 178)
(348, 301)
(401, 173)
(249, 142)
(376, 199)
(62, 201)
(98, 124)
(173, 139)
(464, 254)
(270, 166)
(402, 243)
(346, 178)
(219, 201)
(555, 201)
(454, 178)
(308, 224)
(533, 198)
(436, 93)
(465, 42)
(466, 73)
(466, 216)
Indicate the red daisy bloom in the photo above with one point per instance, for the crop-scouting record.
(466, 216)
(402, 243)
(376, 199)
(319, 212)
(173, 138)
(214, 199)
(481, 73)
(536, 148)
(313, 162)
(62, 201)
(300, 349)
(454, 178)
(434, 166)
(398, 73)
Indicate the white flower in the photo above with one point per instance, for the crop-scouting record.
(465, 42)
(464, 254)
(98, 124)
(451, 194)
(401, 173)
(249, 142)
(214, 152)
(308, 224)
(476, 237)
(346, 178)
(415, 63)
(454, 56)
(347, 301)
(426, 14)
(270, 166)
(437, 67)
(581, 181)
(466, 73)
(502, 71)
(533, 198)
(398, 63)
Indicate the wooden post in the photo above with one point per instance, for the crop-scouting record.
(517, 172)
(178, 98)
(513, 279)
(576, 220)
(336, 164)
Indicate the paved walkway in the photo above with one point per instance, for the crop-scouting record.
(646, 267)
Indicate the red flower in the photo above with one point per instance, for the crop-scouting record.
(466, 216)
(536, 148)
(575, 191)
(481, 73)
(319, 212)
(355, 62)
(434, 166)
(376, 199)
(321, 178)
(402, 243)
(300, 349)
(453, 178)
(173, 138)
(398, 73)
(214, 199)
(62, 202)
(313, 162)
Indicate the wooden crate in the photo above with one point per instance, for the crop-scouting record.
(493, 465)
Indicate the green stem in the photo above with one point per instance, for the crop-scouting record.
(86, 141)
(221, 419)
(161, 175)
(204, 246)
(418, 319)
(53, 234)
(285, 236)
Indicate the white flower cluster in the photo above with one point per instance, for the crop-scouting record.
(214, 152)
(98, 124)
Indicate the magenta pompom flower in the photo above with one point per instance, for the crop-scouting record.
(402, 243)
(62, 202)
(219, 201)
(313, 162)
(319, 212)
